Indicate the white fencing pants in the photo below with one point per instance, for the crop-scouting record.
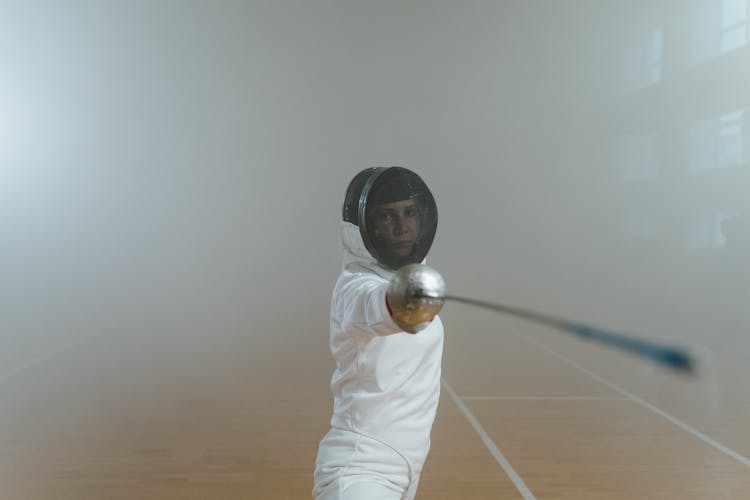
(351, 466)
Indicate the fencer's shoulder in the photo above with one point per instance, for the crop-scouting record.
(354, 283)
(348, 277)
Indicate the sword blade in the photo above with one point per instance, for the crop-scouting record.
(672, 357)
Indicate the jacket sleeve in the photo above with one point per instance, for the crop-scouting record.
(361, 304)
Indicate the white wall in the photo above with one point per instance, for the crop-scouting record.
(177, 168)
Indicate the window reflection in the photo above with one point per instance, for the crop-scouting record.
(718, 28)
(644, 59)
(707, 231)
(654, 57)
(719, 142)
(731, 142)
(733, 24)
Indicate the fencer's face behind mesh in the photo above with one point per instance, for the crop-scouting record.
(396, 230)
(395, 212)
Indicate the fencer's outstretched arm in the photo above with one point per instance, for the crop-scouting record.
(359, 305)
(415, 295)
(406, 303)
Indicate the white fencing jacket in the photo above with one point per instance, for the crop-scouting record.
(387, 382)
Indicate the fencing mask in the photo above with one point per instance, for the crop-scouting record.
(395, 212)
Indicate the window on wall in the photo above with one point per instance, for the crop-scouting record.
(731, 140)
(643, 59)
(718, 27)
(706, 231)
(719, 142)
(733, 24)
(654, 57)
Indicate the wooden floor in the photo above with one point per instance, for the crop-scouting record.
(523, 410)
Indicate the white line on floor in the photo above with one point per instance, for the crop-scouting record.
(512, 474)
(692, 430)
(540, 398)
